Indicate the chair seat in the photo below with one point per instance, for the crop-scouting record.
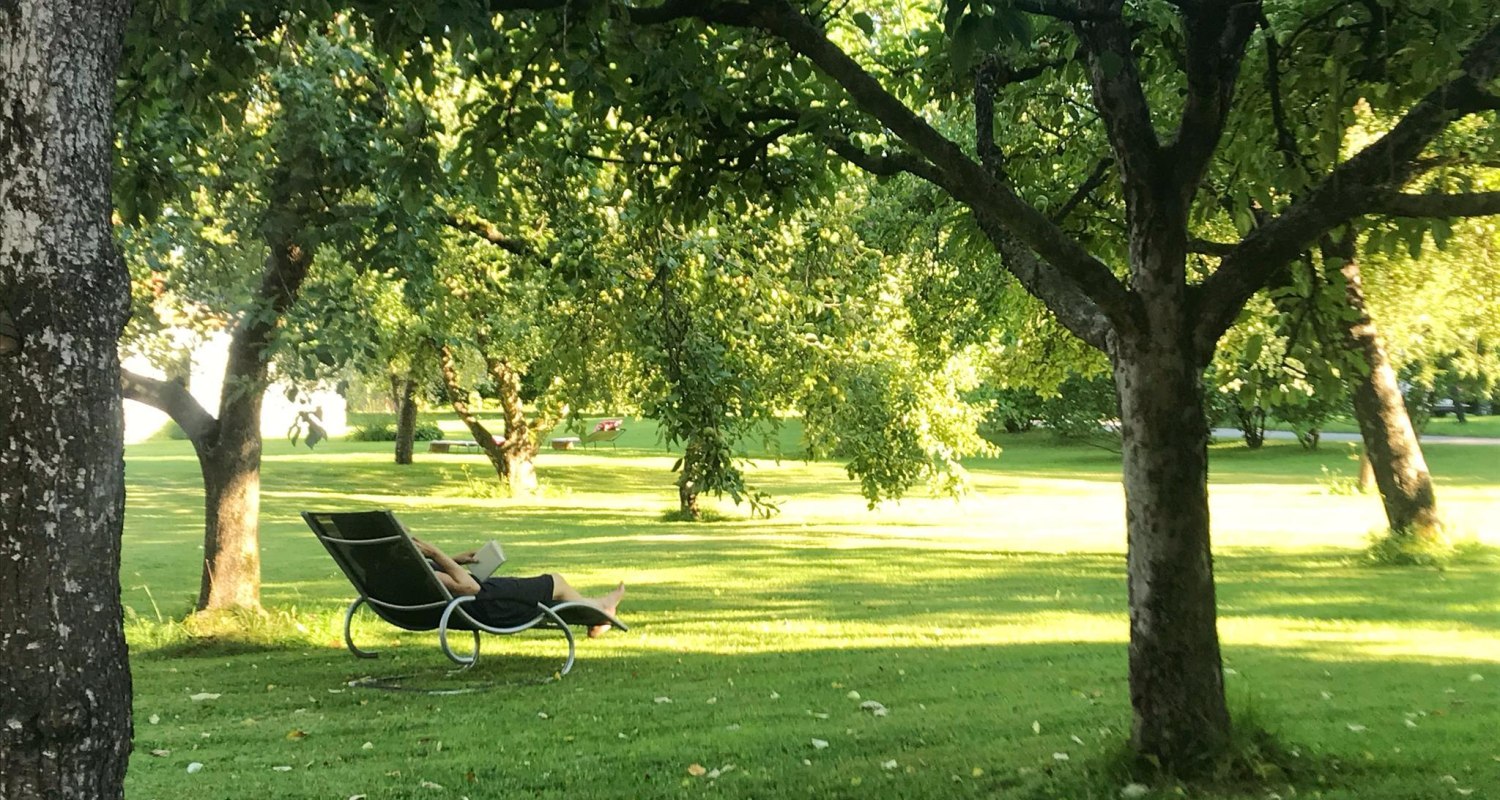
(391, 576)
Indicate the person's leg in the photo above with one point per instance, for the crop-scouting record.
(564, 591)
(610, 603)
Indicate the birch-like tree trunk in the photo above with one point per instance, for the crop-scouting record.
(64, 679)
(1391, 446)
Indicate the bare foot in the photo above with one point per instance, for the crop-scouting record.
(610, 603)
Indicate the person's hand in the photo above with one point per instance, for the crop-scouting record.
(466, 557)
(424, 548)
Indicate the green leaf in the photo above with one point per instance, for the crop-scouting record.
(1253, 346)
(1414, 234)
(1442, 232)
(975, 36)
(1015, 27)
(865, 23)
(965, 43)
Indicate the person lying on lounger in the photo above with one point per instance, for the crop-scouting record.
(504, 602)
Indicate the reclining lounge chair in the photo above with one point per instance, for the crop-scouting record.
(607, 430)
(377, 555)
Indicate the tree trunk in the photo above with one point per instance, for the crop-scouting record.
(690, 481)
(456, 394)
(1176, 674)
(231, 463)
(231, 514)
(520, 441)
(1309, 438)
(1366, 473)
(64, 680)
(1390, 441)
(231, 531)
(406, 418)
(1252, 424)
(229, 446)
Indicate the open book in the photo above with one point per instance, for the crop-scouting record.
(487, 559)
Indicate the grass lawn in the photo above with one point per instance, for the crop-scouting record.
(992, 628)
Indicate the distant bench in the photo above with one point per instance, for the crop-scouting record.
(463, 445)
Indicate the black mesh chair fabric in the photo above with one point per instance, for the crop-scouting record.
(377, 555)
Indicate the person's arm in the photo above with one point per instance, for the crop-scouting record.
(457, 579)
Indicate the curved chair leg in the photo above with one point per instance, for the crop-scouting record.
(462, 661)
(348, 637)
(567, 632)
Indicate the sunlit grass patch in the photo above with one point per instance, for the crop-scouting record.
(992, 628)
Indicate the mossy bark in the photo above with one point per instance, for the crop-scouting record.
(1176, 671)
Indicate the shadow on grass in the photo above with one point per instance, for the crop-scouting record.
(963, 721)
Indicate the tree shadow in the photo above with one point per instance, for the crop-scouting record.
(961, 720)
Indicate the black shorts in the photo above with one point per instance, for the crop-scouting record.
(508, 602)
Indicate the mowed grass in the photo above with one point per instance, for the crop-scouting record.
(1487, 427)
(992, 628)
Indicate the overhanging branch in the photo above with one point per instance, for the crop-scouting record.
(963, 178)
(1471, 204)
(1208, 248)
(1060, 9)
(175, 400)
(884, 164)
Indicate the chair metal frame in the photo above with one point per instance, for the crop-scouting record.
(547, 616)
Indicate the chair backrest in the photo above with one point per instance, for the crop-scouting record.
(377, 555)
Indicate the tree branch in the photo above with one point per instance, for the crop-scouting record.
(1208, 248)
(1347, 191)
(1074, 310)
(1122, 105)
(958, 174)
(1216, 38)
(1286, 142)
(884, 164)
(1059, 9)
(1094, 181)
(1471, 204)
(727, 13)
(738, 161)
(488, 232)
(992, 74)
(985, 82)
(173, 398)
